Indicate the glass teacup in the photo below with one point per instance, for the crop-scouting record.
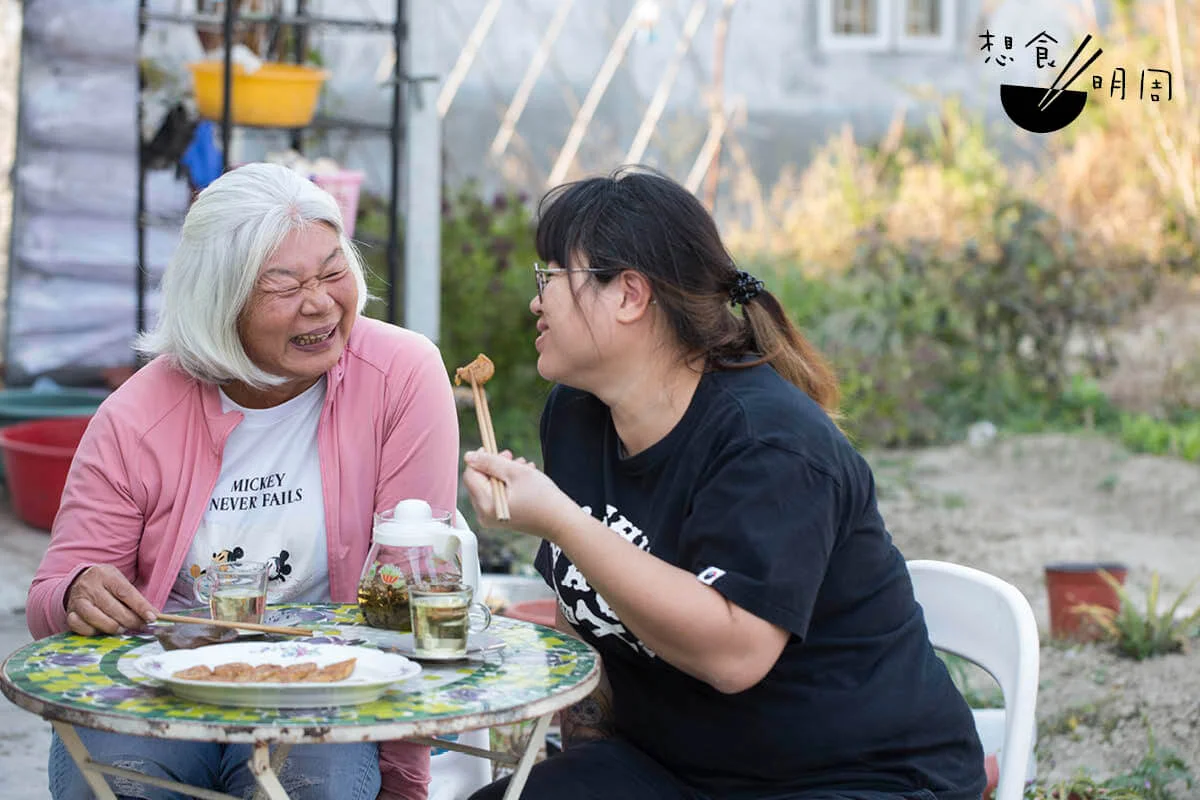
(442, 617)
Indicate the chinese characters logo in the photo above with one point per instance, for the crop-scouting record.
(1045, 110)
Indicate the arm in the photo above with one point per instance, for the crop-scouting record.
(419, 458)
(93, 550)
(691, 626)
(592, 717)
(699, 630)
(419, 455)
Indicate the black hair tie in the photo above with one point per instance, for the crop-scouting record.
(745, 288)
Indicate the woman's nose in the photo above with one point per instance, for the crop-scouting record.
(316, 301)
(535, 306)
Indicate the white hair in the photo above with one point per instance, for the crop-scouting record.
(233, 227)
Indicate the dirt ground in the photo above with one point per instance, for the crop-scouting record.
(1012, 506)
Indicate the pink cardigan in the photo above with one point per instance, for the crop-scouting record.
(150, 457)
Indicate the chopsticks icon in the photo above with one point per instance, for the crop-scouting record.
(1052, 93)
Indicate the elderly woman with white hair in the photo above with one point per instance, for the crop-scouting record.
(271, 425)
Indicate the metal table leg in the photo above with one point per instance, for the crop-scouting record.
(278, 758)
(264, 773)
(517, 782)
(83, 760)
(94, 772)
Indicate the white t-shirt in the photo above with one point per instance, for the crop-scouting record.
(267, 504)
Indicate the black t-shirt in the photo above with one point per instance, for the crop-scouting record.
(758, 494)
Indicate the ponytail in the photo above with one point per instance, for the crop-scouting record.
(642, 220)
(793, 356)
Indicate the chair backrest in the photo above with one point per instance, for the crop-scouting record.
(989, 622)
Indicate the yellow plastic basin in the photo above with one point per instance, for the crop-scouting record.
(275, 95)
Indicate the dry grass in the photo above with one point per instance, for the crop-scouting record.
(1125, 178)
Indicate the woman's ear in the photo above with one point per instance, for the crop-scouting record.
(637, 295)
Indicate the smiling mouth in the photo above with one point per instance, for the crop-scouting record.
(312, 338)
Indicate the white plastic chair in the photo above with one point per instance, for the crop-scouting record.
(987, 621)
(454, 775)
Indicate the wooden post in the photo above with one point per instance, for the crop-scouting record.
(616, 54)
(720, 37)
(663, 91)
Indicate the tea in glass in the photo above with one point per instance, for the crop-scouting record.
(441, 619)
(238, 605)
(235, 591)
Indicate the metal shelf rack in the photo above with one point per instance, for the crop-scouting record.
(300, 23)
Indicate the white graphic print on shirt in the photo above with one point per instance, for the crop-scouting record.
(267, 503)
(590, 610)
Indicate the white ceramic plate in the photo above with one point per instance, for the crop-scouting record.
(374, 673)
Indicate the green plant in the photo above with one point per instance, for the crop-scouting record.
(1080, 787)
(966, 677)
(1143, 433)
(949, 285)
(1155, 776)
(486, 282)
(1143, 634)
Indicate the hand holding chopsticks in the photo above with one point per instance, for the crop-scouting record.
(477, 373)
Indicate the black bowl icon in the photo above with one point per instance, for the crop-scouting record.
(1021, 103)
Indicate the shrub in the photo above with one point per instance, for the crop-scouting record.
(487, 281)
(1143, 634)
(960, 287)
(928, 338)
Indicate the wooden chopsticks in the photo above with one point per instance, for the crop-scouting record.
(241, 626)
(477, 373)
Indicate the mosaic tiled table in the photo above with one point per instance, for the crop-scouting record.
(89, 681)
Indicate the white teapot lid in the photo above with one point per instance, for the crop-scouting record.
(413, 517)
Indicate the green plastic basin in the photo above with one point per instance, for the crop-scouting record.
(26, 405)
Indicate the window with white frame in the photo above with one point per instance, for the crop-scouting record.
(880, 25)
(856, 17)
(922, 18)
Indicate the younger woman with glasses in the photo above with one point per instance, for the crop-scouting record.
(709, 529)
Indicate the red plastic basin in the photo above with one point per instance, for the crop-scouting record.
(37, 456)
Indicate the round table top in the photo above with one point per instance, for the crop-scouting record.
(90, 681)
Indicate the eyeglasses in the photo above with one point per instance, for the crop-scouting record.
(542, 275)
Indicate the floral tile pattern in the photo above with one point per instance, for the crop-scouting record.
(92, 674)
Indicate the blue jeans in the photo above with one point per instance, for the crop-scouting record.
(311, 772)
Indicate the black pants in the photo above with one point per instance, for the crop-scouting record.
(613, 768)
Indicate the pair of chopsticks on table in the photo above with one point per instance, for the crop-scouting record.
(477, 373)
(1053, 92)
(241, 626)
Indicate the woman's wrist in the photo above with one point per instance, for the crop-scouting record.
(564, 521)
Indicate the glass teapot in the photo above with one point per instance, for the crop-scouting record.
(411, 544)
